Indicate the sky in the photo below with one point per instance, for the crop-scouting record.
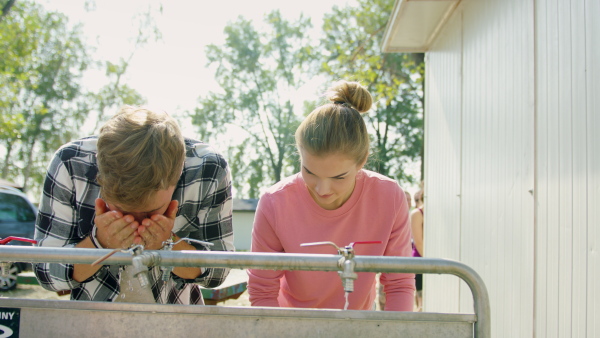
(172, 73)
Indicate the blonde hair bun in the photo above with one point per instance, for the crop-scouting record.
(338, 127)
(352, 94)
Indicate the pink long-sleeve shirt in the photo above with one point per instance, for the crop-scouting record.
(287, 216)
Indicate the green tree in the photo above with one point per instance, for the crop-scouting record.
(42, 101)
(42, 63)
(257, 71)
(6, 6)
(351, 49)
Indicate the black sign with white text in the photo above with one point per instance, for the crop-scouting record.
(10, 319)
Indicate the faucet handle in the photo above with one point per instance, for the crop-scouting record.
(351, 245)
(195, 241)
(135, 249)
(341, 250)
(321, 243)
(169, 244)
(5, 240)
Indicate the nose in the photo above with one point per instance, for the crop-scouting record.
(322, 187)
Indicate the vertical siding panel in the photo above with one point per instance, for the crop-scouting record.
(497, 254)
(509, 188)
(542, 174)
(541, 185)
(578, 91)
(553, 172)
(497, 159)
(471, 130)
(477, 223)
(592, 53)
(443, 144)
(500, 118)
(528, 211)
(542, 138)
(565, 168)
(522, 155)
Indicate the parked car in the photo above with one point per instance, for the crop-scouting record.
(17, 219)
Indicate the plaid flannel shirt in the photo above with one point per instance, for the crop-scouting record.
(66, 217)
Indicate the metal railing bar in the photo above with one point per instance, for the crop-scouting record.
(268, 261)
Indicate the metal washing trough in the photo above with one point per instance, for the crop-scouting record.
(101, 319)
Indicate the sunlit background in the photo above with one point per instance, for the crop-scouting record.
(157, 51)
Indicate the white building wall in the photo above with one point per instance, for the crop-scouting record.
(568, 168)
(442, 168)
(592, 209)
(242, 229)
(496, 158)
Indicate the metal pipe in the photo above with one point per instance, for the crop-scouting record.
(268, 261)
(481, 301)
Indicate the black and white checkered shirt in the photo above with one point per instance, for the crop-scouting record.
(66, 217)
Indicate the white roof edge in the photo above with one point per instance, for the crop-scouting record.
(392, 44)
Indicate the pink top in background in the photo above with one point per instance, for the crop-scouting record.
(287, 216)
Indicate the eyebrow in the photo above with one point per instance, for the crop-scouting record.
(337, 176)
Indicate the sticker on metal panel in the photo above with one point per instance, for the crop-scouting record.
(10, 320)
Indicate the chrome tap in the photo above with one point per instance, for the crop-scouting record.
(346, 262)
(140, 269)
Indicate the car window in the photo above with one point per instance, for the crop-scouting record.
(15, 208)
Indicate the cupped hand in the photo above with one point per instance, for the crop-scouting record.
(115, 230)
(158, 228)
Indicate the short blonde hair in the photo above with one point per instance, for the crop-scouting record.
(140, 151)
(338, 127)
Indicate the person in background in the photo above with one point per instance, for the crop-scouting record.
(332, 199)
(138, 182)
(416, 221)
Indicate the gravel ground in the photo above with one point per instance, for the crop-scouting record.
(30, 291)
(37, 292)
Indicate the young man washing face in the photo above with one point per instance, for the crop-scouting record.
(138, 182)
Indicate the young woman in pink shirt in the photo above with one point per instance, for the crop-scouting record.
(332, 199)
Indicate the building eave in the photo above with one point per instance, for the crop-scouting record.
(414, 24)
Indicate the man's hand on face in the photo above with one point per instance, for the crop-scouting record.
(115, 230)
(158, 228)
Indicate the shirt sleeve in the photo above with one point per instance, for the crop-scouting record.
(263, 285)
(399, 287)
(57, 226)
(213, 220)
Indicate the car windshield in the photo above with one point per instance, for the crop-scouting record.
(15, 208)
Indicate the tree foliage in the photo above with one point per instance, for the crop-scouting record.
(351, 49)
(257, 71)
(43, 103)
(42, 60)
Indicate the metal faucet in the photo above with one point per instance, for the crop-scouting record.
(141, 261)
(168, 246)
(140, 270)
(346, 262)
